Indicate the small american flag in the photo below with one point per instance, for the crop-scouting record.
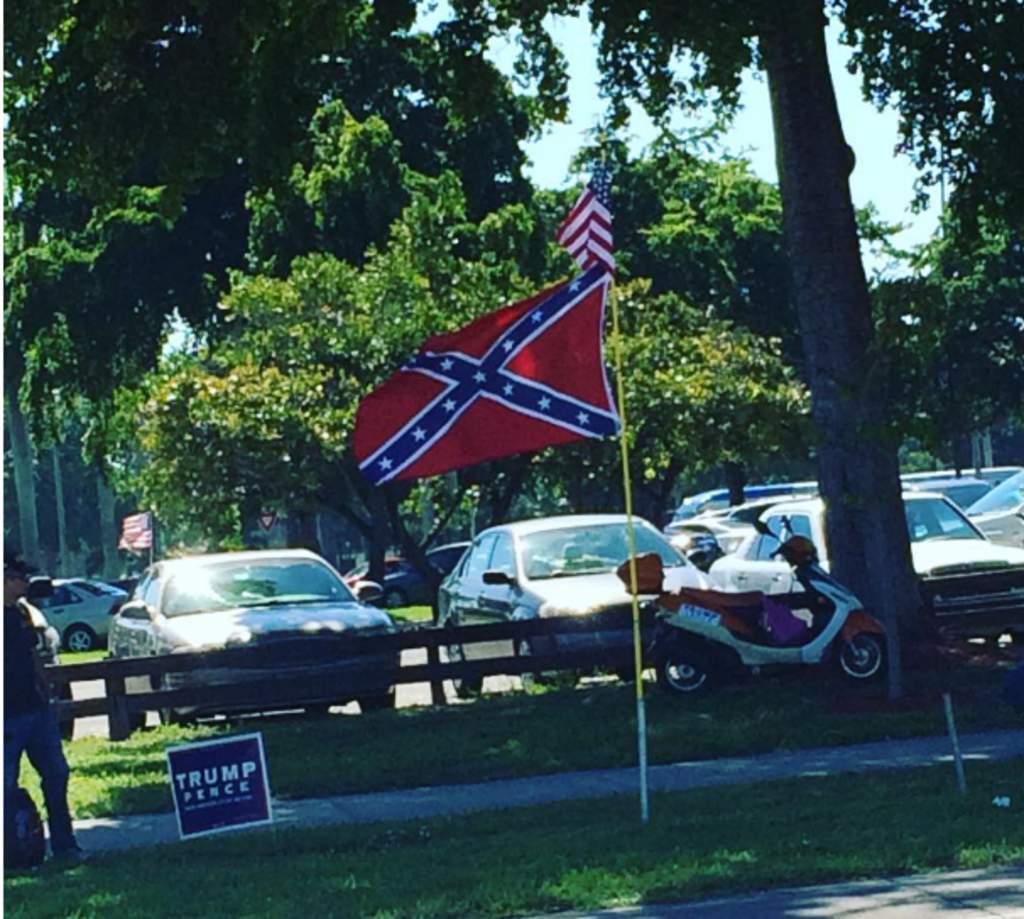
(587, 231)
(137, 532)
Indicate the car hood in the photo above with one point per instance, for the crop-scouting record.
(239, 626)
(589, 593)
(936, 557)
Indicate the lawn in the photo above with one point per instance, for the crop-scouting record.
(521, 734)
(580, 855)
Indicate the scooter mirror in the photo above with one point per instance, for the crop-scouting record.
(763, 528)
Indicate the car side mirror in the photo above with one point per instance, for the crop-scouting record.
(369, 592)
(496, 576)
(39, 588)
(135, 609)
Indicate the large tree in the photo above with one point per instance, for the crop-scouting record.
(671, 54)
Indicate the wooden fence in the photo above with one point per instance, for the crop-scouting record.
(586, 642)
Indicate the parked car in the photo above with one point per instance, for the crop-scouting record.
(729, 525)
(403, 582)
(553, 566)
(81, 611)
(211, 602)
(971, 584)
(962, 491)
(1000, 513)
(718, 499)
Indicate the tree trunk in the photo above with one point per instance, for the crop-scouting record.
(62, 529)
(108, 528)
(24, 478)
(858, 470)
(735, 480)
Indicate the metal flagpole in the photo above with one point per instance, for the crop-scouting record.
(641, 718)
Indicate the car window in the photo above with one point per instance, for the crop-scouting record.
(764, 547)
(92, 589)
(503, 557)
(151, 592)
(786, 524)
(932, 518)
(479, 557)
(61, 596)
(1007, 496)
(247, 584)
(590, 550)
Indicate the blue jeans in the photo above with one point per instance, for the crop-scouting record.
(38, 735)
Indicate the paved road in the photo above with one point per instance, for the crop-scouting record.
(406, 696)
(943, 895)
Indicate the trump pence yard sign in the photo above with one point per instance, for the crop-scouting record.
(219, 784)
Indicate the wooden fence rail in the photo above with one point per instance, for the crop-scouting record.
(292, 672)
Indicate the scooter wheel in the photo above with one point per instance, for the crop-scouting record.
(682, 670)
(861, 657)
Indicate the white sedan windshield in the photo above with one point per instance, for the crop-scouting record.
(589, 550)
(231, 585)
(933, 518)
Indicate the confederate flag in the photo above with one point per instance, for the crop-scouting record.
(528, 376)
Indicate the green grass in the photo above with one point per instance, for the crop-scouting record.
(411, 614)
(83, 657)
(567, 856)
(518, 734)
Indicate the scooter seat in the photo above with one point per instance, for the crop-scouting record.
(713, 599)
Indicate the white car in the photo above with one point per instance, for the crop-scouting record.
(553, 566)
(81, 610)
(971, 581)
(1000, 513)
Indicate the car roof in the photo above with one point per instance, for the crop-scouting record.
(813, 505)
(254, 555)
(936, 484)
(542, 524)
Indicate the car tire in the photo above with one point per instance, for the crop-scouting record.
(465, 688)
(79, 637)
(531, 680)
(379, 703)
(862, 657)
(393, 598)
(685, 669)
(170, 715)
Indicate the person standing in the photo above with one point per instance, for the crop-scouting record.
(30, 722)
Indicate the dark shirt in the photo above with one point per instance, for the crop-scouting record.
(22, 690)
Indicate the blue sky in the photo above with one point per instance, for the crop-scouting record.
(882, 177)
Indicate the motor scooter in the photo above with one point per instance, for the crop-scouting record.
(706, 637)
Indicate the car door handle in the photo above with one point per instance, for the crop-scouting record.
(740, 578)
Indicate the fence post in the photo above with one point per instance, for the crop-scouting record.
(119, 724)
(437, 696)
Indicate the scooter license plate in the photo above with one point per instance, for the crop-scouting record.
(699, 614)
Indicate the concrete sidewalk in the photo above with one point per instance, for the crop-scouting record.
(114, 833)
(988, 893)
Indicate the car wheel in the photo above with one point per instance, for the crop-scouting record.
(79, 638)
(170, 715)
(465, 688)
(393, 598)
(861, 657)
(379, 703)
(562, 679)
(683, 669)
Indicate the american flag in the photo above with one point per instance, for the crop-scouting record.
(137, 532)
(587, 231)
